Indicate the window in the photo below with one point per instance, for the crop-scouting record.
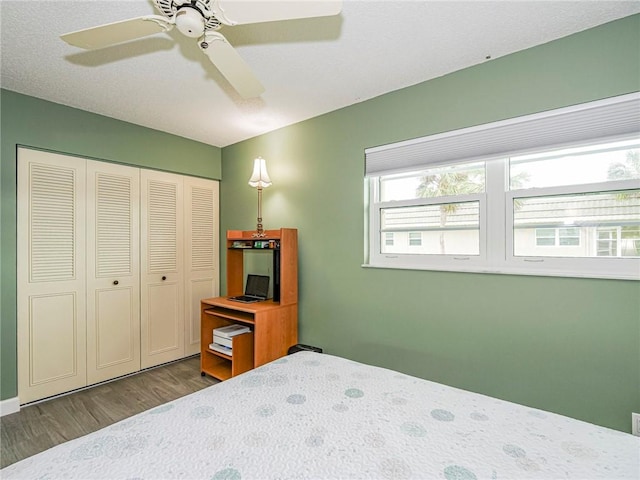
(630, 236)
(603, 200)
(545, 237)
(415, 239)
(569, 237)
(618, 242)
(570, 210)
(550, 237)
(607, 245)
(412, 206)
(388, 241)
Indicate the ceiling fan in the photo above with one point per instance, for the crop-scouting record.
(201, 19)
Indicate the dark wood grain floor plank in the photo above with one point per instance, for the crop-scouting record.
(38, 427)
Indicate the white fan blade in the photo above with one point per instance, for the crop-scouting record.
(239, 12)
(118, 32)
(231, 65)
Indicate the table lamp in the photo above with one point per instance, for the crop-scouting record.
(259, 179)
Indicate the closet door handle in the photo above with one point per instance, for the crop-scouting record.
(164, 278)
(115, 282)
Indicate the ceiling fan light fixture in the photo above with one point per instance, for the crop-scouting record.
(190, 22)
(200, 19)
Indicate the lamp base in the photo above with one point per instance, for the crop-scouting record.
(259, 230)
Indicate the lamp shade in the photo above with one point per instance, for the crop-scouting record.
(259, 177)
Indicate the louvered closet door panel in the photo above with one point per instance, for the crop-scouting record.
(113, 271)
(51, 274)
(162, 276)
(201, 253)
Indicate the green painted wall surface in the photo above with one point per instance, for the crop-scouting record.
(37, 123)
(566, 345)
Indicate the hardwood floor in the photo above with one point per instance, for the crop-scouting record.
(43, 425)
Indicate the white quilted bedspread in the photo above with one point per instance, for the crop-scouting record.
(313, 415)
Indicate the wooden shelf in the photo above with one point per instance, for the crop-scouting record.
(274, 322)
(229, 314)
(285, 290)
(216, 366)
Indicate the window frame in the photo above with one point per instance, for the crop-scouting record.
(496, 234)
(412, 260)
(592, 267)
(496, 231)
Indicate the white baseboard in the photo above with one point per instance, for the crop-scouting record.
(8, 406)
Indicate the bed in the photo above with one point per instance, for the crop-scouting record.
(311, 415)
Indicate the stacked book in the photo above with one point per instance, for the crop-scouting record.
(223, 338)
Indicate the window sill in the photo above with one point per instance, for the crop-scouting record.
(510, 271)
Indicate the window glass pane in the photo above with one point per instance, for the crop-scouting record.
(435, 182)
(388, 238)
(569, 236)
(589, 225)
(607, 245)
(630, 241)
(545, 236)
(600, 163)
(632, 233)
(443, 229)
(415, 239)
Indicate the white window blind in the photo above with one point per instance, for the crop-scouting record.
(608, 118)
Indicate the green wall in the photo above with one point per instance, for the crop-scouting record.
(571, 346)
(36, 123)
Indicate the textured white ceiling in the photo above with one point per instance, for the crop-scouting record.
(308, 67)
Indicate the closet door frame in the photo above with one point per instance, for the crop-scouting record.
(81, 304)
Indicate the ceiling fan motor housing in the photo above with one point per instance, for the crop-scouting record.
(190, 22)
(171, 8)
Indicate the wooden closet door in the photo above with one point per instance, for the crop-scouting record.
(51, 274)
(162, 275)
(113, 271)
(201, 253)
